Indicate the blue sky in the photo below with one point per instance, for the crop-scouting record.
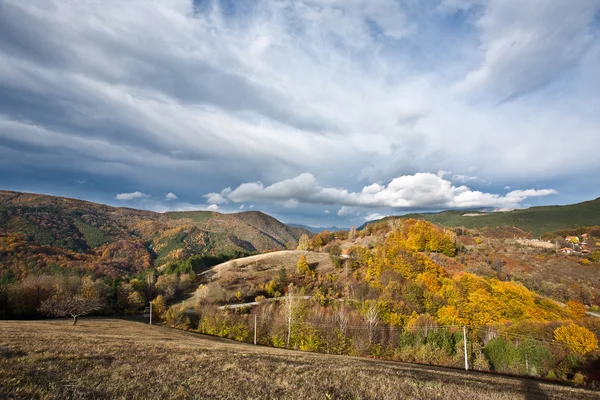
(319, 112)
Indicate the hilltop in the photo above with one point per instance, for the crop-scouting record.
(535, 220)
(42, 233)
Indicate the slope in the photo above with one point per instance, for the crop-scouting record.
(536, 220)
(125, 359)
(40, 231)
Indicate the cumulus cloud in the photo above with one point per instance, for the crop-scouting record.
(130, 196)
(218, 198)
(171, 196)
(418, 191)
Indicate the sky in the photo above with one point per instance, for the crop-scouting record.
(319, 112)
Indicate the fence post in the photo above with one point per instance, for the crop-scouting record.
(150, 313)
(254, 328)
(465, 342)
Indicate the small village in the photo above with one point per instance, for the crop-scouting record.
(576, 246)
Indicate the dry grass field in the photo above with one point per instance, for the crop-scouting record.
(109, 358)
(250, 272)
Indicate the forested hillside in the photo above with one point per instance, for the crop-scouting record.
(46, 234)
(405, 292)
(535, 220)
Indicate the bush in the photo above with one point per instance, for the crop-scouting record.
(502, 355)
(536, 356)
(581, 340)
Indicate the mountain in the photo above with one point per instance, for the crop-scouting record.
(47, 232)
(317, 229)
(536, 220)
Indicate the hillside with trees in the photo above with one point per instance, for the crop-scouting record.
(411, 291)
(535, 220)
(399, 289)
(47, 234)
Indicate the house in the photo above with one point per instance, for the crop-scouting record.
(567, 250)
(345, 254)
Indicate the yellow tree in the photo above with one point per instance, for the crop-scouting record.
(581, 340)
(303, 242)
(575, 309)
(302, 267)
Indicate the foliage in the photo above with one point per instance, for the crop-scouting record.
(303, 242)
(575, 309)
(502, 355)
(581, 340)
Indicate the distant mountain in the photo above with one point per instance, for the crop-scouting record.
(536, 220)
(316, 229)
(40, 231)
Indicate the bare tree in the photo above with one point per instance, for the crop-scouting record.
(352, 233)
(289, 310)
(65, 305)
(371, 316)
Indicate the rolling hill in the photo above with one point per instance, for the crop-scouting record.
(48, 232)
(536, 220)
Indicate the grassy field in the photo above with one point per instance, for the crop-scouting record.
(107, 358)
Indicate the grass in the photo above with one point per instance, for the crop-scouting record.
(108, 358)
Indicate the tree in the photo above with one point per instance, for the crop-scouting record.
(303, 268)
(581, 340)
(352, 233)
(575, 309)
(335, 254)
(74, 306)
(371, 316)
(303, 242)
(289, 312)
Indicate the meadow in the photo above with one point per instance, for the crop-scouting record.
(112, 358)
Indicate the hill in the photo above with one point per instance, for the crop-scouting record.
(317, 230)
(40, 232)
(536, 220)
(124, 359)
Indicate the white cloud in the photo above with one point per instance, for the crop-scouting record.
(418, 191)
(218, 198)
(242, 206)
(373, 216)
(529, 44)
(171, 196)
(463, 178)
(196, 97)
(326, 211)
(130, 196)
(346, 211)
(212, 207)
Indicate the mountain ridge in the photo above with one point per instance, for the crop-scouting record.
(536, 220)
(68, 231)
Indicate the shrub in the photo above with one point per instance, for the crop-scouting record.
(581, 340)
(536, 356)
(502, 355)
